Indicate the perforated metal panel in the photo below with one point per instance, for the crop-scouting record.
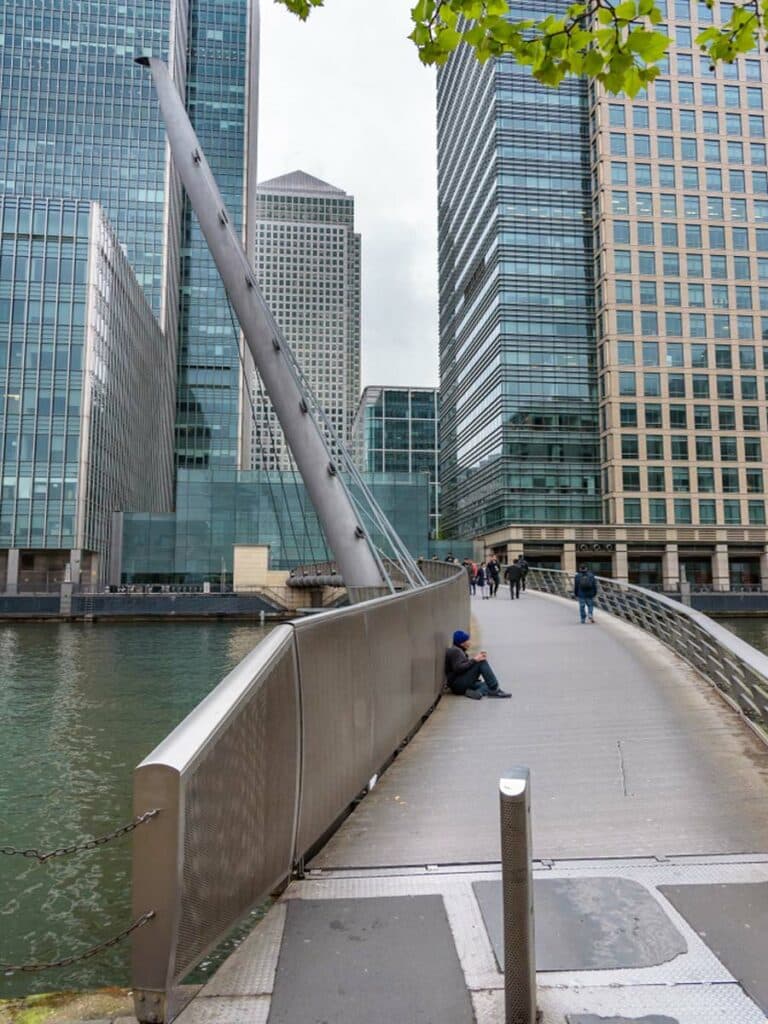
(269, 760)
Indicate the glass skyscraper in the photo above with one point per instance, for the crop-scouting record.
(633, 236)
(519, 417)
(80, 121)
(87, 389)
(396, 431)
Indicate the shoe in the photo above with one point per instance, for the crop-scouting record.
(473, 694)
(591, 620)
(498, 693)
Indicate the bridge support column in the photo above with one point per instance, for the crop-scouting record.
(517, 897)
(721, 577)
(670, 568)
(12, 572)
(568, 557)
(75, 565)
(620, 562)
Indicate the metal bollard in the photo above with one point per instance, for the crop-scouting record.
(517, 897)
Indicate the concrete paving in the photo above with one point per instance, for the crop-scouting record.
(642, 779)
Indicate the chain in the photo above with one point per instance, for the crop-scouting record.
(67, 961)
(90, 844)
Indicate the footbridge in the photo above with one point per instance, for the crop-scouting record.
(596, 848)
(316, 783)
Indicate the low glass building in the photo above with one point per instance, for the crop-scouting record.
(86, 393)
(221, 508)
(396, 430)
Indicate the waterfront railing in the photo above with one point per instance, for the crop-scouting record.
(265, 767)
(738, 671)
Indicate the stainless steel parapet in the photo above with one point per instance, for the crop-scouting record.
(257, 774)
(738, 670)
(517, 897)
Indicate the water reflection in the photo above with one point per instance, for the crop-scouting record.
(80, 706)
(754, 631)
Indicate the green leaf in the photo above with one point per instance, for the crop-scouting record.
(626, 11)
(651, 46)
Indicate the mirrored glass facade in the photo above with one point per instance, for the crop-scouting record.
(78, 119)
(216, 510)
(519, 411)
(396, 430)
(86, 383)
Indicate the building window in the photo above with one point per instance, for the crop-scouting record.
(707, 512)
(732, 511)
(657, 508)
(682, 511)
(632, 510)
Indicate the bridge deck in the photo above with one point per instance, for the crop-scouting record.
(650, 830)
(630, 754)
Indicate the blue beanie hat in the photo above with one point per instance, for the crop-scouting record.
(460, 637)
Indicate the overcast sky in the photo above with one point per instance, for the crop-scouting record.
(344, 97)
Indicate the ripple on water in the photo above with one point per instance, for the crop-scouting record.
(81, 706)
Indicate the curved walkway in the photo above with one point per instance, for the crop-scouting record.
(631, 754)
(650, 833)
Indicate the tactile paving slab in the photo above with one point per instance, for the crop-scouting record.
(378, 960)
(732, 919)
(588, 924)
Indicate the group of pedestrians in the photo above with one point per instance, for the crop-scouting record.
(485, 577)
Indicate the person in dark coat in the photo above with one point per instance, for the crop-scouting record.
(493, 572)
(585, 588)
(481, 581)
(469, 676)
(513, 574)
(522, 562)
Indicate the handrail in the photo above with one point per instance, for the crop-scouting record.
(736, 668)
(271, 759)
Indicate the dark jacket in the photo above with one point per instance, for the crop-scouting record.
(523, 565)
(480, 578)
(513, 573)
(492, 568)
(457, 661)
(585, 584)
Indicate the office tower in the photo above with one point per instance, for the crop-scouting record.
(79, 119)
(308, 266)
(396, 431)
(518, 411)
(88, 387)
(675, 194)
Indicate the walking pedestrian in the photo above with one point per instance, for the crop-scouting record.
(493, 572)
(522, 562)
(481, 581)
(585, 589)
(513, 574)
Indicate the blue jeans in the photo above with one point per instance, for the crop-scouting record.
(470, 680)
(586, 606)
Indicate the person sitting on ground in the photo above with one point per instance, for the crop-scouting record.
(470, 677)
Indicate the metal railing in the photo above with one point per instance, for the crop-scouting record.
(266, 765)
(738, 670)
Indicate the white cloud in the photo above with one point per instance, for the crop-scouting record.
(343, 96)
